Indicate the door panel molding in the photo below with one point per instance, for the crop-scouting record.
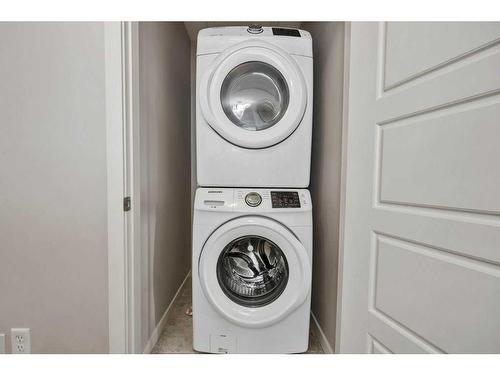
(412, 150)
(466, 81)
(410, 271)
(420, 265)
(396, 335)
(376, 347)
(480, 44)
(406, 337)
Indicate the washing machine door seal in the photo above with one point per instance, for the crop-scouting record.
(298, 267)
(254, 95)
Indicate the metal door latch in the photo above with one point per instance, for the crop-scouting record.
(126, 204)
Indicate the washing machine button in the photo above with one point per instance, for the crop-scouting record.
(253, 199)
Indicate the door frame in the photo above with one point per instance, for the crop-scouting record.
(343, 174)
(122, 145)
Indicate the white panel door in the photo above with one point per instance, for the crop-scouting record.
(421, 257)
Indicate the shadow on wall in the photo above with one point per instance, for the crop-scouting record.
(166, 164)
(328, 48)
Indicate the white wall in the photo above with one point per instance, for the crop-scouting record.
(53, 228)
(328, 47)
(164, 80)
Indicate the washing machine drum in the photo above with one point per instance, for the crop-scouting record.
(254, 95)
(254, 271)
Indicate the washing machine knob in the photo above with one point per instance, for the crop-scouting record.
(253, 199)
(255, 29)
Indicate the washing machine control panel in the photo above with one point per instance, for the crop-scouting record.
(271, 200)
(285, 199)
(252, 200)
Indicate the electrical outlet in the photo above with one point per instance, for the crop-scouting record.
(20, 340)
(2, 343)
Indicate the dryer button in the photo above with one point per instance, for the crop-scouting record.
(253, 199)
(255, 29)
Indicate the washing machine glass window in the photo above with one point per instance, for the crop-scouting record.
(254, 95)
(252, 271)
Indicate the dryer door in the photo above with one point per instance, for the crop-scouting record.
(254, 95)
(254, 271)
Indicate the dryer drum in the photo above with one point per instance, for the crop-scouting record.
(254, 95)
(252, 271)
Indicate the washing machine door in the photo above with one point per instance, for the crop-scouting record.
(254, 95)
(254, 271)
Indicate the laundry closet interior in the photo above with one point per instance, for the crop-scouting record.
(165, 178)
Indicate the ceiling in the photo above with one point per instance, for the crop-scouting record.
(193, 27)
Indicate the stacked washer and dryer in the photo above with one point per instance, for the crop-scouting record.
(252, 225)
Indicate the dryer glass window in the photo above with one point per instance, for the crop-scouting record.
(252, 271)
(254, 95)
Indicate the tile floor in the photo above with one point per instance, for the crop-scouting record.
(177, 336)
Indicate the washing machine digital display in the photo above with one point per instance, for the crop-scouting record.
(285, 199)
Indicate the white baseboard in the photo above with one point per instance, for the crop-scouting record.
(155, 335)
(327, 348)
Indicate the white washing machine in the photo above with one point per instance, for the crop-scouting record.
(252, 251)
(254, 107)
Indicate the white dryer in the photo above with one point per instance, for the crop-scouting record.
(254, 107)
(252, 251)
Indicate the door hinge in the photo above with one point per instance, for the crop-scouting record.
(126, 204)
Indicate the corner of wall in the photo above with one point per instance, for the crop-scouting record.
(328, 46)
